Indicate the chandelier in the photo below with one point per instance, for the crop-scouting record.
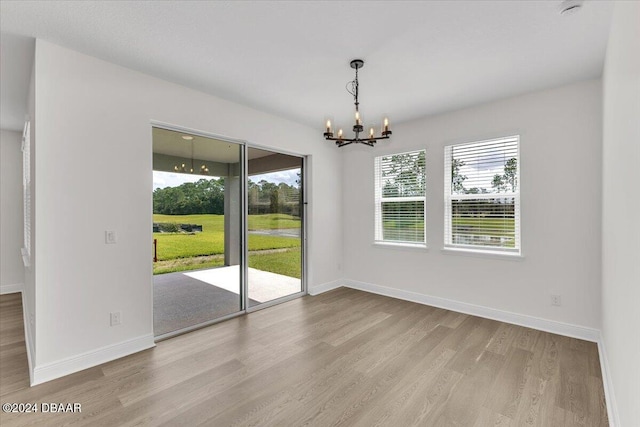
(357, 127)
(204, 170)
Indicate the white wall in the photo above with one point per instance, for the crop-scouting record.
(29, 291)
(621, 211)
(94, 163)
(560, 132)
(11, 268)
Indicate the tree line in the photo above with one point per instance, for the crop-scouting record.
(507, 181)
(492, 208)
(206, 196)
(404, 176)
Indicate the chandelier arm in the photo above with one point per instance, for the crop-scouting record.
(342, 144)
(357, 140)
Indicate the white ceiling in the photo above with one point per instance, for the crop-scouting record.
(291, 58)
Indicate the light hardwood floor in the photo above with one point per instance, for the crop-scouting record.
(344, 358)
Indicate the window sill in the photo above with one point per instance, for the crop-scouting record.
(402, 246)
(479, 253)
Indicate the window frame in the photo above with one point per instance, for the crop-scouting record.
(449, 197)
(379, 200)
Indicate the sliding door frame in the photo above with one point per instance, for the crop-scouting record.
(303, 231)
(242, 295)
(244, 248)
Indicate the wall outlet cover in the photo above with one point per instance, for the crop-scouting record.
(116, 318)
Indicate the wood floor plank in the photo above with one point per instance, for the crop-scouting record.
(13, 354)
(474, 344)
(573, 395)
(343, 358)
(502, 339)
(505, 395)
(465, 402)
(487, 418)
(526, 338)
(528, 412)
(409, 403)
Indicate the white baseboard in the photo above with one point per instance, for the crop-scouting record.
(609, 395)
(325, 287)
(50, 371)
(560, 328)
(11, 289)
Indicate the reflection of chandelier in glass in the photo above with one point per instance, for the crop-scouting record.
(204, 170)
(357, 127)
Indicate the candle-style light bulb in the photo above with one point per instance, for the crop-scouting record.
(328, 126)
(357, 117)
(340, 133)
(386, 124)
(371, 133)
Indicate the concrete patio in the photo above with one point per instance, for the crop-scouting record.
(185, 299)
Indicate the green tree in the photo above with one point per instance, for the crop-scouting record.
(511, 173)
(498, 183)
(405, 175)
(457, 180)
(509, 179)
(274, 199)
(201, 197)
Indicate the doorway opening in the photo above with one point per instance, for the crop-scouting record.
(197, 218)
(228, 229)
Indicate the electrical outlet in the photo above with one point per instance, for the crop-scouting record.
(116, 318)
(556, 300)
(110, 237)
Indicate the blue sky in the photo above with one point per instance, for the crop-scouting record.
(172, 179)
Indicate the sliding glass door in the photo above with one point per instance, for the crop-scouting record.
(197, 230)
(227, 229)
(275, 226)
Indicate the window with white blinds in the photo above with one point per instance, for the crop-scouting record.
(400, 182)
(482, 195)
(26, 192)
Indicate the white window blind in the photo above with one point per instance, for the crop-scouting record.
(400, 182)
(482, 195)
(26, 192)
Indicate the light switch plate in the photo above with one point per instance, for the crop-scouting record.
(115, 318)
(110, 237)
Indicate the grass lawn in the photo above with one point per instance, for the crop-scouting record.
(184, 251)
(211, 240)
(498, 226)
(287, 263)
(484, 231)
(272, 221)
(187, 264)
